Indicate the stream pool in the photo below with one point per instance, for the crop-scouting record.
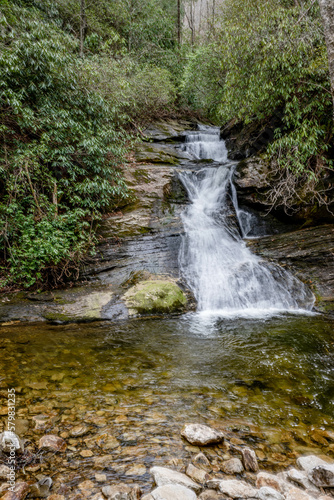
(132, 385)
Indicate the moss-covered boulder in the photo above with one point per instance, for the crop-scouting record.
(155, 297)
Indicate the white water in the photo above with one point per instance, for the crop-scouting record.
(222, 272)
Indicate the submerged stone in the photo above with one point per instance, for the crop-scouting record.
(155, 297)
(202, 435)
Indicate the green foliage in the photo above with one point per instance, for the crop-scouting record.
(270, 59)
(201, 84)
(60, 152)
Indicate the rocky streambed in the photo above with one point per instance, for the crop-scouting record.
(220, 467)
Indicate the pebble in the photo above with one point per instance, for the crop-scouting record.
(100, 478)
(86, 453)
(270, 480)
(79, 430)
(10, 439)
(4, 471)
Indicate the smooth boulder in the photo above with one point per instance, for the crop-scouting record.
(163, 476)
(201, 435)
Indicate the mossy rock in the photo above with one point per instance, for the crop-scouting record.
(155, 297)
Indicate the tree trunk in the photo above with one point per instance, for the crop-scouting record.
(83, 26)
(327, 13)
(179, 22)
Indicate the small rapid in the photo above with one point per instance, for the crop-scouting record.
(223, 274)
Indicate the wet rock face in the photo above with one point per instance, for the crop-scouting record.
(309, 253)
(155, 297)
(322, 476)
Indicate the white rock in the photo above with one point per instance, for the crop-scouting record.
(322, 476)
(237, 489)
(309, 462)
(163, 476)
(173, 492)
(300, 477)
(272, 481)
(202, 435)
(9, 440)
(267, 493)
(117, 492)
(297, 494)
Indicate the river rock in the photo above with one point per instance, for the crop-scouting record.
(249, 460)
(79, 430)
(322, 476)
(237, 489)
(211, 495)
(198, 475)
(20, 492)
(121, 492)
(201, 435)
(4, 471)
(52, 443)
(10, 440)
(301, 479)
(297, 494)
(202, 462)
(173, 492)
(267, 493)
(232, 466)
(265, 479)
(163, 476)
(42, 488)
(309, 462)
(155, 297)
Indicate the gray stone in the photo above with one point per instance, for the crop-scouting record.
(309, 462)
(163, 476)
(322, 476)
(232, 466)
(201, 435)
(173, 492)
(237, 489)
(301, 479)
(267, 493)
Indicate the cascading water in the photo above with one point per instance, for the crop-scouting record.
(222, 272)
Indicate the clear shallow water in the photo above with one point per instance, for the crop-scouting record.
(276, 372)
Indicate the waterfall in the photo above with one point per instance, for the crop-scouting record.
(219, 268)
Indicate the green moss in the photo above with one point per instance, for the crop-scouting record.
(155, 297)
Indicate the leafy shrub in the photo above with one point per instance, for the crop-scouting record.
(60, 153)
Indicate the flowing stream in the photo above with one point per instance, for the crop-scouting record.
(222, 272)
